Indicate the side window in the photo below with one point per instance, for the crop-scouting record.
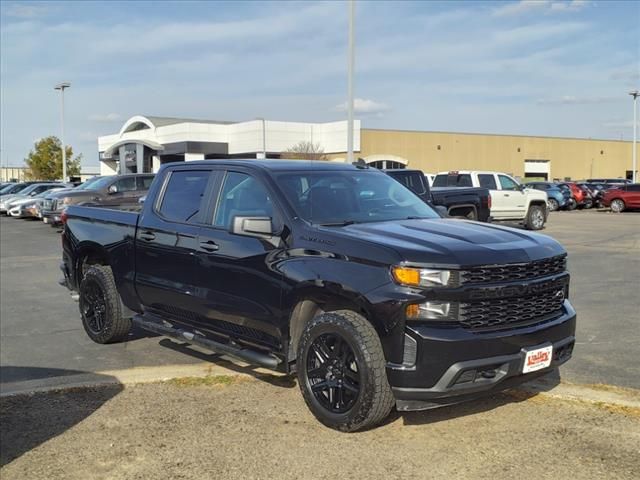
(507, 183)
(126, 184)
(487, 181)
(633, 188)
(143, 183)
(182, 199)
(242, 196)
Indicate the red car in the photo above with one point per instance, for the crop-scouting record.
(577, 193)
(622, 197)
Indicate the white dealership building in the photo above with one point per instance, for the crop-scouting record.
(144, 143)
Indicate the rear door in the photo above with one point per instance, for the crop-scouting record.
(242, 293)
(168, 277)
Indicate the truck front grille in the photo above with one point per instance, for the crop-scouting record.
(498, 314)
(515, 272)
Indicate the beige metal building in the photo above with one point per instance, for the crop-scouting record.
(521, 156)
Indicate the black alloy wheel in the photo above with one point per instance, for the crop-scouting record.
(93, 306)
(332, 372)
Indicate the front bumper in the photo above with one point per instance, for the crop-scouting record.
(455, 365)
(51, 217)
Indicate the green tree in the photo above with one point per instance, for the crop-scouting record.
(44, 162)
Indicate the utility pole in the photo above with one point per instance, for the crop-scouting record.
(61, 87)
(350, 84)
(635, 95)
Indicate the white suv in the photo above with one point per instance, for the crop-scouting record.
(510, 201)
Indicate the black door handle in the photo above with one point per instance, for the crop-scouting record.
(208, 246)
(148, 236)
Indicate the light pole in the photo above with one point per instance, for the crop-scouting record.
(61, 87)
(635, 95)
(350, 84)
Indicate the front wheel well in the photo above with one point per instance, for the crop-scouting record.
(307, 309)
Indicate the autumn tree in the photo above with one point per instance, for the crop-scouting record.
(44, 162)
(306, 151)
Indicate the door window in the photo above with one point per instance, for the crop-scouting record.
(182, 199)
(126, 184)
(508, 183)
(242, 196)
(487, 180)
(143, 183)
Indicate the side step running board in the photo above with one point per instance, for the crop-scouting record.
(251, 356)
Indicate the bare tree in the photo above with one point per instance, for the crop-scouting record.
(306, 151)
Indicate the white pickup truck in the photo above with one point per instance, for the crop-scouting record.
(510, 201)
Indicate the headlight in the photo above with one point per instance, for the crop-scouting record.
(433, 310)
(66, 200)
(422, 277)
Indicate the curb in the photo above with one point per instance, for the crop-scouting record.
(597, 394)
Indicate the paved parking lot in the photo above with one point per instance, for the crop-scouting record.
(41, 334)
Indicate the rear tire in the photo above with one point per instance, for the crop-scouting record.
(342, 371)
(535, 218)
(617, 205)
(100, 306)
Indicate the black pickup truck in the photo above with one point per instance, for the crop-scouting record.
(472, 203)
(334, 271)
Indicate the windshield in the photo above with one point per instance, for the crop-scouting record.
(343, 197)
(89, 184)
(98, 183)
(13, 188)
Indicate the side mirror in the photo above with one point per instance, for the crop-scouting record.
(442, 211)
(113, 189)
(260, 227)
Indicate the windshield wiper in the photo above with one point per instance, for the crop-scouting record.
(344, 223)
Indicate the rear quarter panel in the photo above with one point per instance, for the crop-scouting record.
(106, 234)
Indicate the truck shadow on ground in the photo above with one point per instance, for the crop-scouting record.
(23, 425)
(278, 380)
(480, 405)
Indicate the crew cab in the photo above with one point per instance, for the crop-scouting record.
(510, 201)
(335, 272)
(470, 203)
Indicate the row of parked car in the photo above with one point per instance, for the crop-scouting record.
(47, 200)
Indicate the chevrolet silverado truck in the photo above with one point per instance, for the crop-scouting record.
(473, 203)
(334, 272)
(510, 201)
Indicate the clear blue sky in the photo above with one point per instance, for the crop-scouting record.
(557, 67)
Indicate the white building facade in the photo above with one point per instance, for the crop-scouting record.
(144, 143)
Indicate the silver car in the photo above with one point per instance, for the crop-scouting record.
(28, 192)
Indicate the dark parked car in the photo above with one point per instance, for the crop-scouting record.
(338, 273)
(558, 198)
(111, 190)
(623, 197)
(469, 202)
(609, 181)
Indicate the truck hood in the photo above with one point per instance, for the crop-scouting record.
(453, 242)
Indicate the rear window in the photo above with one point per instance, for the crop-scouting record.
(182, 199)
(462, 180)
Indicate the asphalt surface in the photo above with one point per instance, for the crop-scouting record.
(41, 335)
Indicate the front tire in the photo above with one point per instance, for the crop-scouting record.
(617, 205)
(572, 204)
(535, 218)
(342, 371)
(100, 306)
(553, 205)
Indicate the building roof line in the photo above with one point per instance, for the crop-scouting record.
(495, 135)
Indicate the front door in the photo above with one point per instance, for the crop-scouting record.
(242, 293)
(510, 201)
